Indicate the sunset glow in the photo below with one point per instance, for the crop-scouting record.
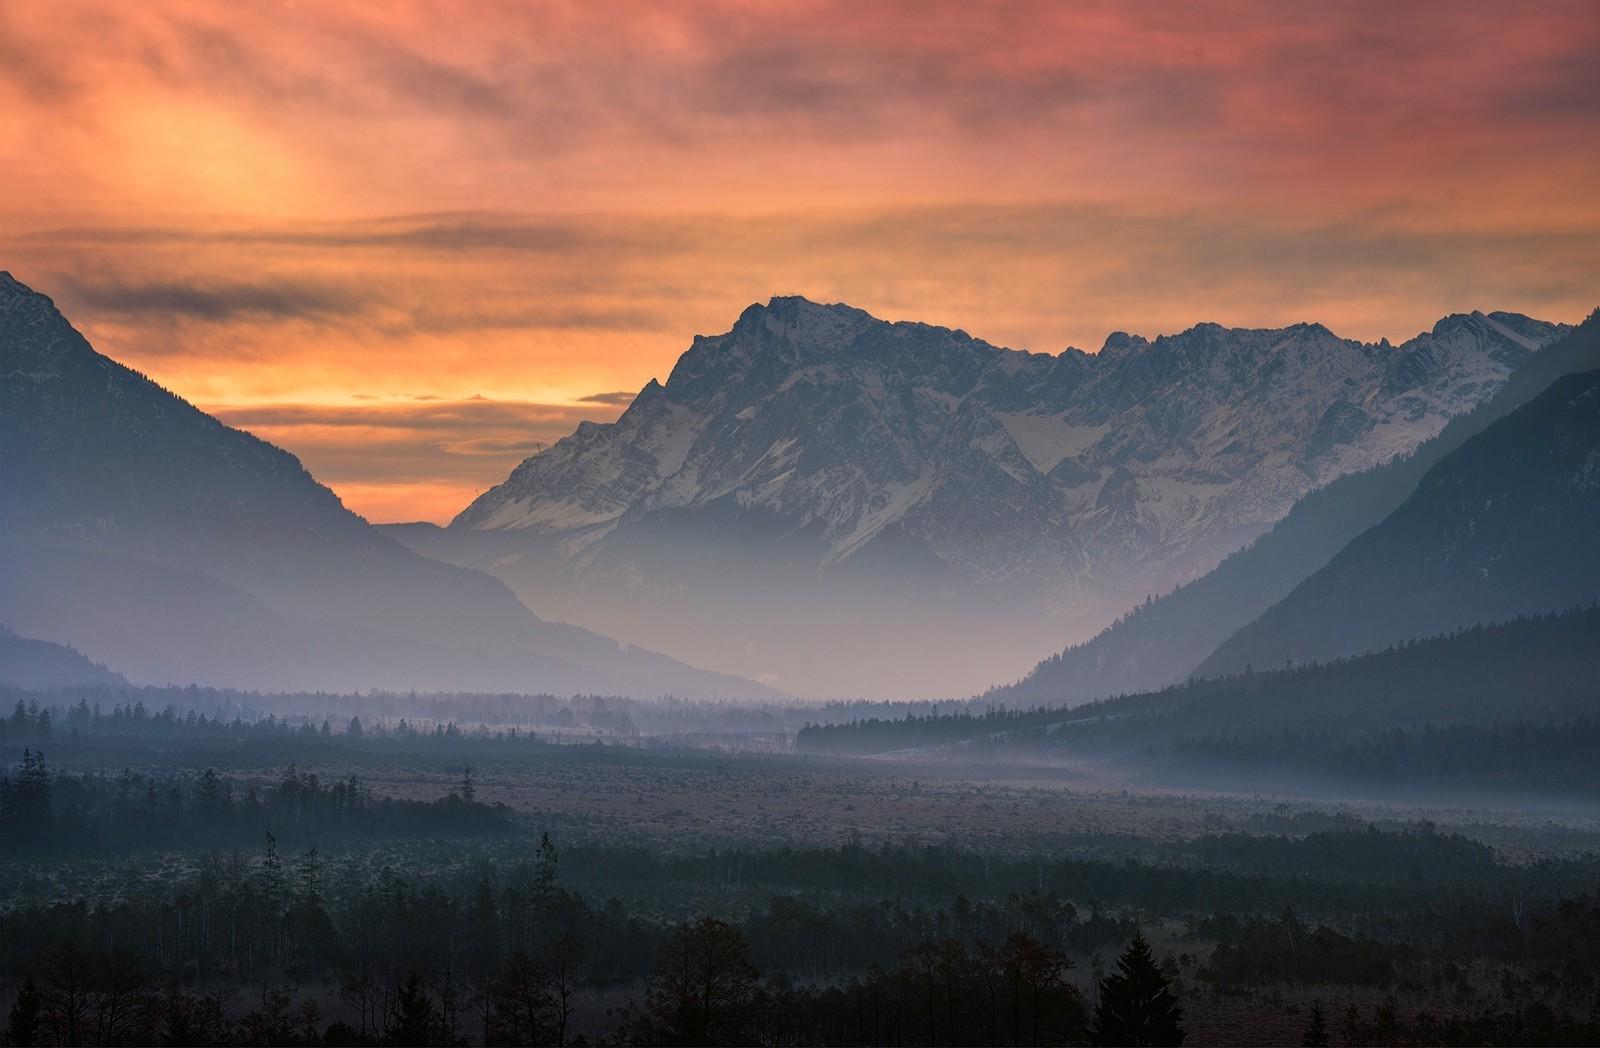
(409, 242)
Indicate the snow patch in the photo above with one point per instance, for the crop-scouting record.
(1045, 440)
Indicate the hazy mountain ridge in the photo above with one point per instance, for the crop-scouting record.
(40, 664)
(1164, 640)
(1503, 526)
(114, 487)
(981, 501)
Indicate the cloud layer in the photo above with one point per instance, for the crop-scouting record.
(294, 209)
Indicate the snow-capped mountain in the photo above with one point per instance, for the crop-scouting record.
(958, 485)
(1161, 642)
(1503, 526)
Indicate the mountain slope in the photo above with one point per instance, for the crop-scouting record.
(931, 510)
(1491, 713)
(1504, 526)
(1164, 640)
(114, 490)
(36, 664)
(1539, 668)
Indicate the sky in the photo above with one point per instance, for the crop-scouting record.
(414, 242)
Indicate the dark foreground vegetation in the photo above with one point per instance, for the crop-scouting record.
(182, 907)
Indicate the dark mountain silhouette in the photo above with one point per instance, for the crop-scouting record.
(39, 664)
(1539, 669)
(146, 533)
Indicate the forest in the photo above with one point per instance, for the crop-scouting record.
(1508, 708)
(204, 866)
(285, 904)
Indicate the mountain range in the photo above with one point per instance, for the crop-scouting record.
(841, 505)
(1165, 640)
(151, 537)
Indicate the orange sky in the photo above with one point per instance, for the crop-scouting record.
(410, 241)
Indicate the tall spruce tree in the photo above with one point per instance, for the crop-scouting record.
(1137, 1005)
(23, 1025)
(1316, 1035)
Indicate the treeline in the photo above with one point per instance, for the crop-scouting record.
(702, 989)
(32, 722)
(1514, 755)
(1521, 696)
(43, 814)
(504, 962)
(155, 712)
(885, 734)
(1396, 873)
(511, 955)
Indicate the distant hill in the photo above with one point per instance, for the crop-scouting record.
(1164, 640)
(39, 664)
(1506, 525)
(1467, 691)
(146, 533)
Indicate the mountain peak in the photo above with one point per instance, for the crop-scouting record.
(1119, 343)
(12, 291)
(799, 320)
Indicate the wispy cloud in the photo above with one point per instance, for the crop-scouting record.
(440, 452)
(302, 205)
(621, 398)
(206, 300)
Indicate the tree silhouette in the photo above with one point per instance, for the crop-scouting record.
(23, 1027)
(1137, 1005)
(521, 1003)
(414, 1022)
(1316, 1035)
(703, 987)
(1044, 1007)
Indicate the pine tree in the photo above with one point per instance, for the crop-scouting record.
(1137, 1005)
(311, 877)
(210, 792)
(22, 1028)
(31, 794)
(273, 882)
(1316, 1035)
(414, 1019)
(544, 871)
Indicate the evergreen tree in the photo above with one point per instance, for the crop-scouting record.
(210, 792)
(1316, 1035)
(1137, 1005)
(23, 1028)
(272, 878)
(544, 872)
(31, 794)
(414, 1021)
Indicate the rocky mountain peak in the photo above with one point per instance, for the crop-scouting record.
(813, 442)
